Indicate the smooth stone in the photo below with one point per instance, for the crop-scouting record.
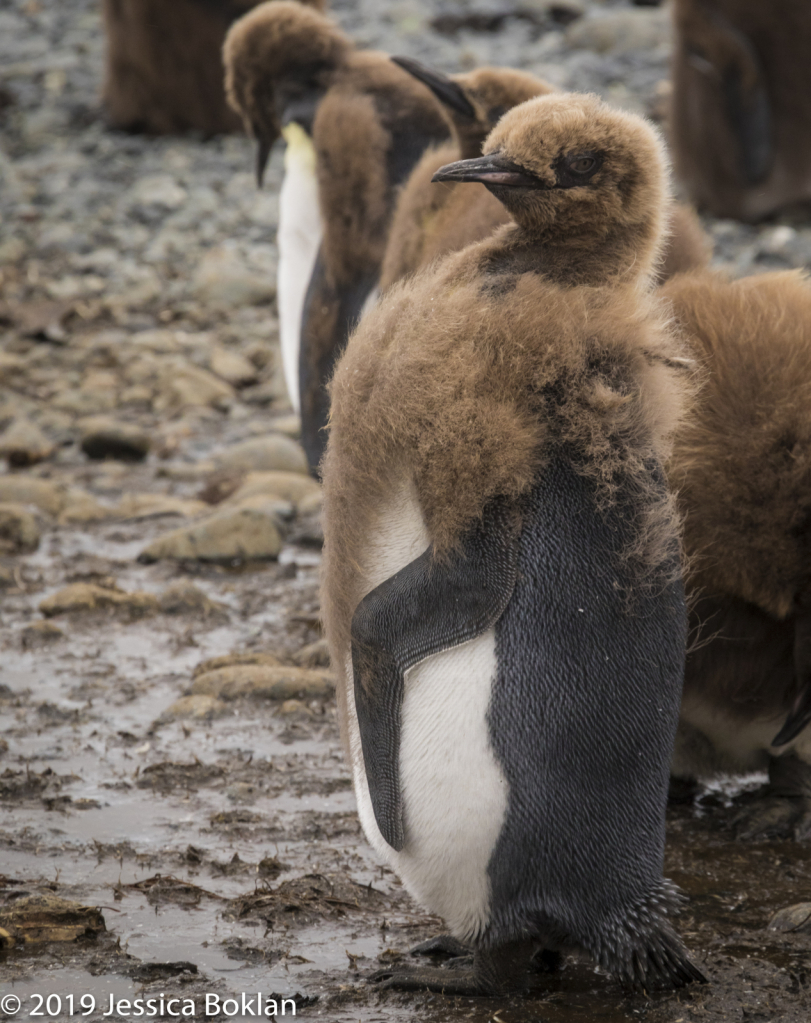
(232, 367)
(263, 682)
(291, 486)
(187, 385)
(84, 597)
(19, 533)
(281, 510)
(195, 708)
(138, 506)
(23, 489)
(39, 634)
(314, 655)
(274, 452)
(104, 437)
(289, 425)
(184, 597)
(224, 279)
(23, 443)
(234, 659)
(795, 918)
(241, 534)
(82, 507)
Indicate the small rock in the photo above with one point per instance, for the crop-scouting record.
(38, 918)
(221, 485)
(242, 534)
(795, 918)
(40, 634)
(292, 486)
(314, 655)
(232, 367)
(263, 682)
(224, 279)
(6, 577)
(187, 385)
(19, 533)
(23, 443)
(158, 190)
(81, 507)
(185, 598)
(196, 708)
(91, 597)
(137, 506)
(271, 504)
(311, 505)
(230, 660)
(290, 707)
(289, 425)
(621, 31)
(274, 452)
(187, 472)
(104, 437)
(43, 494)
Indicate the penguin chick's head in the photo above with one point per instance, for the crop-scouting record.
(279, 60)
(574, 172)
(474, 101)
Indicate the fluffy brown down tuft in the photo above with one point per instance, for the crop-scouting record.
(742, 462)
(278, 40)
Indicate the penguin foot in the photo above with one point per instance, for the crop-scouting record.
(440, 945)
(447, 981)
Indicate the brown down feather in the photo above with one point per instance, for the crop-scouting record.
(742, 84)
(163, 68)
(742, 462)
(548, 332)
(432, 219)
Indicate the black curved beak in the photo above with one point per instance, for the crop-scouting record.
(262, 156)
(489, 170)
(444, 88)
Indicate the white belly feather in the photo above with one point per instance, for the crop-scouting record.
(298, 238)
(454, 792)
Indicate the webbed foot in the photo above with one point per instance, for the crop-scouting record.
(488, 972)
(445, 980)
(784, 811)
(440, 945)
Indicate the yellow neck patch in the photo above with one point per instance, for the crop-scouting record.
(300, 146)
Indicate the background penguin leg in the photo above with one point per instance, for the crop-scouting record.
(494, 971)
(785, 810)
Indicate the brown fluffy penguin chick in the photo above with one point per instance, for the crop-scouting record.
(355, 125)
(164, 68)
(501, 570)
(431, 220)
(741, 104)
(741, 467)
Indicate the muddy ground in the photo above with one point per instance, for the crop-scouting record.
(205, 808)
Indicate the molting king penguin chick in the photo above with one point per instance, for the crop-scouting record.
(741, 104)
(355, 125)
(164, 68)
(741, 466)
(501, 573)
(431, 221)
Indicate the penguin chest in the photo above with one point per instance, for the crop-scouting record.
(299, 237)
(454, 794)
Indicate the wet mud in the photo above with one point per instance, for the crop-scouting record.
(173, 826)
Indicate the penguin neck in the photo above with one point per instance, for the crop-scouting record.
(583, 261)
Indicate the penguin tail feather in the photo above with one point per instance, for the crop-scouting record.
(643, 950)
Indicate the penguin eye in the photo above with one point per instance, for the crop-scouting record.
(577, 169)
(582, 164)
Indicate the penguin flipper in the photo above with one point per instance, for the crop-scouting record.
(426, 607)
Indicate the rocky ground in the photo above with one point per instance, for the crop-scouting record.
(169, 755)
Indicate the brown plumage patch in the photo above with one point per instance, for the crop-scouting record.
(741, 105)
(742, 461)
(164, 71)
(432, 219)
(466, 375)
(277, 41)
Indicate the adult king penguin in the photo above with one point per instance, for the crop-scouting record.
(355, 125)
(501, 592)
(741, 466)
